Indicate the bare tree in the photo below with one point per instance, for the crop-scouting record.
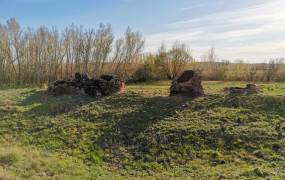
(87, 48)
(174, 61)
(252, 72)
(118, 55)
(103, 47)
(14, 33)
(271, 69)
(127, 52)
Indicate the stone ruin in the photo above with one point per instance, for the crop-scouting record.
(249, 89)
(81, 84)
(188, 84)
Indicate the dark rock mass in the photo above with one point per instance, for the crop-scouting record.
(81, 84)
(188, 84)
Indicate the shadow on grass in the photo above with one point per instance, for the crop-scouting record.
(130, 126)
(40, 103)
(132, 129)
(132, 120)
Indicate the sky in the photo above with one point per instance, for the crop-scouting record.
(251, 30)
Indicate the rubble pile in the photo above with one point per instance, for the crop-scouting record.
(81, 84)
(188, 84)
(249, 89)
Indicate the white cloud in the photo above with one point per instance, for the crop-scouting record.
(255, 32)
(192, 7)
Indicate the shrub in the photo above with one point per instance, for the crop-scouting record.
(149, 71)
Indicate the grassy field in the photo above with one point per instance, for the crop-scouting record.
(143, 134)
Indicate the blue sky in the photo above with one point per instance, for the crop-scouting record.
(253, 30)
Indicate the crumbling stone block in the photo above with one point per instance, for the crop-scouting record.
(188, 84)
(81, 84)
(249, 89)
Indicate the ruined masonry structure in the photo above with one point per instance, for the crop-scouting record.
(188, 84)
(249, 89)
(104, 86)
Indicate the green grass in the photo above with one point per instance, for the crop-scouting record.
(143, 133)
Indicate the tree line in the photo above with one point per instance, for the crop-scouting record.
(43, 55)
(167, 65)
(29, 56)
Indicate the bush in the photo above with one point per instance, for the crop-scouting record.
(151, 70)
